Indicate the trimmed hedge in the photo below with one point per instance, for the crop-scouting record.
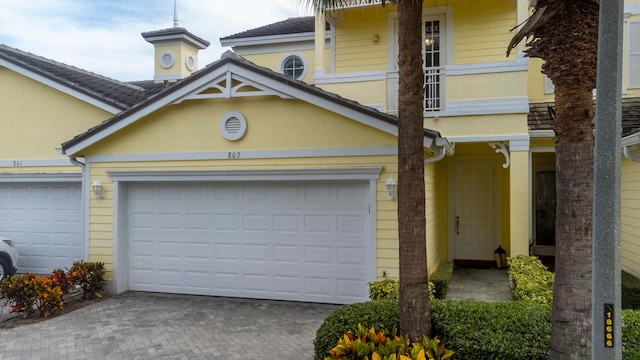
(441, 278)
(530, 279)
(508, 330)
(630, 334)
(630, 291)
(381, 314)
(515, 330)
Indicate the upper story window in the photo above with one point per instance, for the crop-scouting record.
(634, 54)
(293, 66)
(431, 64)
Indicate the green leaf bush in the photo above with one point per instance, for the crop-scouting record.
(381, 314)
(441, 278)
(389, 289)
(516, 330)
(508, 330)
(630, 291)
(631, 334)
(530, 279)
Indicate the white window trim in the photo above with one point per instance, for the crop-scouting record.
(305, 65)
(631, 85)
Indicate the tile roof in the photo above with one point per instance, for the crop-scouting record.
(540, 116)
(297, 25)
(121, 95)
(231, 58)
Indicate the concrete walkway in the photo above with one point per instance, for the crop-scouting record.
(137, 325)
(479, 284)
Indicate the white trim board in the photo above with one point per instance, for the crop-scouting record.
(297, 174)
(518, 105)
(40, 177)
(251, 154)
(18, 163)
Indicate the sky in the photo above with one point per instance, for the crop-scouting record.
(103, 36)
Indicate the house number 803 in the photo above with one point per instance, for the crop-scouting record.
(233, 155)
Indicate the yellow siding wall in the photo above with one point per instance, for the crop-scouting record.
(486, 86)
(193, 127)
(480, 125)
(481, 30)
(630, 217)
(101, 211)
(36, 118)
(274, 60)
(355, 48)
(271, 125)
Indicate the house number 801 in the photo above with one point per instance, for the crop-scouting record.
(233, 155)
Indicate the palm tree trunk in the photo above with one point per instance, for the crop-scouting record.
(414, 288)
(571, 319)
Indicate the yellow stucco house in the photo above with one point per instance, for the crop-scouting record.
(265, 173)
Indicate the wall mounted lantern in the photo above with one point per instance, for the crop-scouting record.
(98, 190)
(392, 188)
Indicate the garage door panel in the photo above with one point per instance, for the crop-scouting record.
(290, 241)
(45, 222)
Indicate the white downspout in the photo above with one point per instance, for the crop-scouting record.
(439, 156)
(629, 155)
(74, 160)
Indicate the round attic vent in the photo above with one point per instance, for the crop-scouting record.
(233, 126)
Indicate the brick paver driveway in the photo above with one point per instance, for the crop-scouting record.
(137, 325)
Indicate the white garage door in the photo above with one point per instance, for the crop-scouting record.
(287, 241)
(45, 222)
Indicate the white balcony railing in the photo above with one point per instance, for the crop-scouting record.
(433, 90)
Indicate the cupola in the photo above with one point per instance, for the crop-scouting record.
(176, 51)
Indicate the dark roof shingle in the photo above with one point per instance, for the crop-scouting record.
(541, 118)
(121, 95)
(298, 25)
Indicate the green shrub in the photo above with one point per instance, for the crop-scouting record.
(493, 330)
(441, 278)
(631, 334)
(89, 276)
(387, 289)
(382, 314)
(530, 279)
(32, 294)
(630, 291)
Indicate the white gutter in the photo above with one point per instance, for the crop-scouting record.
(443, 147)
(630, 143)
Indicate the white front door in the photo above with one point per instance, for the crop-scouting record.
(474, 210)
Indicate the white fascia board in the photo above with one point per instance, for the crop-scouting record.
(271, 39)
(376, 75)
(630, 140)
(60, 87)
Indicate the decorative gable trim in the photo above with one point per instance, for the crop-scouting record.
(261, 80)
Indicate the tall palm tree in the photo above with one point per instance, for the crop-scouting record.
(564, 33)
(415, 319)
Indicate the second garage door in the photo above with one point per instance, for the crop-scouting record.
(286, 240)
(45, 222)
